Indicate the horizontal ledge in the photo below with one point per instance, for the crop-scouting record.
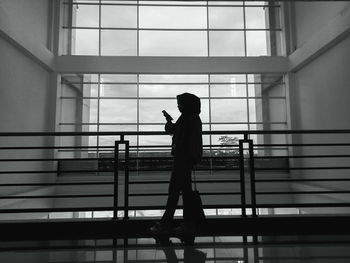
(170, 65)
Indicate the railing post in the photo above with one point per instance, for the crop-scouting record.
(252, 177)
(242, 179)
(126, 183)
(115, 184)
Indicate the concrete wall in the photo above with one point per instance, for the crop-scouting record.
(27, 100)
(320, 100)
(312, 16)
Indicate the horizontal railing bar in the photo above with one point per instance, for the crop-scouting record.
(109, 208)
(56, 159)
(57, 184)
(53, 147)
(170, 158)
(302, 156)
(302, 192)
(330, 131)
(54, 210)
(202, 193)
(303, 168)
(54, 196)
(300, 144)
(95, 171)
(197, 181)
(308, 205)
(302, 180)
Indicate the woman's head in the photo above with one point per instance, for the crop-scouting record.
(188, 103)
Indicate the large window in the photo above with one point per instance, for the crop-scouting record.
(172, 28)
(114, 102)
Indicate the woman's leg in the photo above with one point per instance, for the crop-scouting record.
(173, 198)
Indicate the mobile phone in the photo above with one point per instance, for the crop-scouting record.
(167, 116)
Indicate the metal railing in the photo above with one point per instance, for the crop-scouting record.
(308, 170)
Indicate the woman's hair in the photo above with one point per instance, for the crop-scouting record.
(190, 103)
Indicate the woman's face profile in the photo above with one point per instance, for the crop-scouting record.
(179, 106)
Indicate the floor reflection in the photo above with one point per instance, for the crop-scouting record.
(299, 249)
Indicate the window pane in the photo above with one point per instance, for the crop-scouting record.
(119, 16)
(121, 90)
(234, 90)
(172, 90)
(158, 43)
(173, 17)
(85, 42)
(151, 110)
(256, 43)
(255, 17)
(229, 110)
(86, 15)
(226, 43)
(118, 42)
(118, 128)
(129, 78)
(228, 78)
(90, 90)
(226, 17)
(114, 111)
(91, 111)
(270, 110)
(174, 78)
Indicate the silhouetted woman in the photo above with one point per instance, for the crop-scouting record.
(187, 151)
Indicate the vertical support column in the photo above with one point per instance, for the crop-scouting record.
(252, 177)
(116, 177)
(242, 179)
(115, 184)
(126, 183)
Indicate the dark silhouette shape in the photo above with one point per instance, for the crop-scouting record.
(187, 151)
(191, 255)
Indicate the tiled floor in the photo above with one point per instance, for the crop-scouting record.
(299, 249)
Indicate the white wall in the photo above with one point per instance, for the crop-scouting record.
(27, 100)
(320, 100)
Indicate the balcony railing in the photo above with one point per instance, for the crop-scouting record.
(264, 173)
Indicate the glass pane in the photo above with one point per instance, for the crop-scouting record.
(118, 128)
(119, 78)
(118, 42)
(119, 16)
(173, 17)
(224, 139)
(231, 78)
(86, 15)
(114, 111)
(213, 2)
(226, 17)
(256, 43)
(90, 109)
(121, 90)
(255, 17)
(229, 110)
(234, 90)
(151, 110)
(85, 42)
(178, 43)
(271, 110)
(227, 43)
(172, 90)
(90, 90)
(174, 78)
